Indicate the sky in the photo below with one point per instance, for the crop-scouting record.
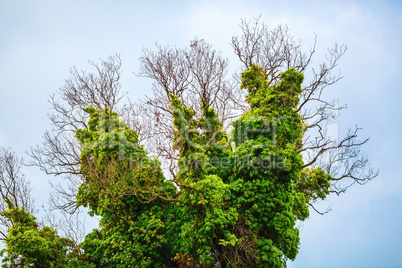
(41, 40)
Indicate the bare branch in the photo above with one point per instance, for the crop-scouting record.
(194, 74)
(59, 153)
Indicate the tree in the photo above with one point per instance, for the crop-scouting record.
(28, 242)
(29, 246)
(13, 186)
(209, 171)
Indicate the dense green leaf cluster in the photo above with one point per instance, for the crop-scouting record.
(123, 186)
(29, 246)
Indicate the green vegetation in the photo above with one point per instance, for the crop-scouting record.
(213, 190)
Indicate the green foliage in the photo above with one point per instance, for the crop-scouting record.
(29, 246)
(127, 190)
(268, 135)
(314, 184)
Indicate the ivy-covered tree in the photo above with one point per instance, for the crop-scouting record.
(209, 172)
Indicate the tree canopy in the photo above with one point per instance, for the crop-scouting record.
(208, 172)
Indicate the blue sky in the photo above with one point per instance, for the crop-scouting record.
(41, 40)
